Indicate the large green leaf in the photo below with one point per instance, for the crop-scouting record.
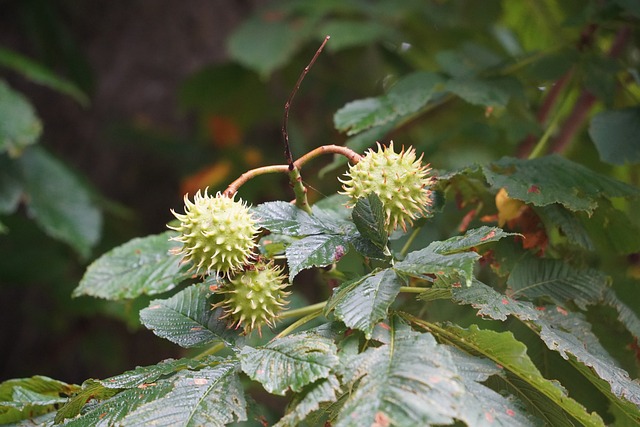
(25, 398)
(282, 218)
(350, 33)
(41, 74)
(322, 391)
(363, 303)
(290, 363)
(264, 45)
(406, 97)
(626, 315)
(148, 374)
(555, 279)
(369, 217)
(617, 135)
(471, 239)
(210, 396)
(59, 202)
(141, 266)
(411, 381)
(479, 92)
(568, 224)
(482, 405)
(491, 303)
(187, 319)
(315, 251)
(430, 261)
(554, 179)
(570, 334)
(511, 354)
(19, 124)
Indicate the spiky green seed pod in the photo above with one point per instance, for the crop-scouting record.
(254, 297)
(217, 234)
(399, 179)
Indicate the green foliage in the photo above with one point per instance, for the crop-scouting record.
(494, 308)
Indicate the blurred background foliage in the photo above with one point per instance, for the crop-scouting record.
(110, 113)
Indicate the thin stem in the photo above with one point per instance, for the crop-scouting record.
(235, 185)
(351, 155)
(303, 311)
(287, 105)
(541, 145)
(299, 189)
(412, 289)
(409, 241)
(295, 325)
(211, 350)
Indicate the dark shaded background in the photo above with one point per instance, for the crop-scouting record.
(130, 57)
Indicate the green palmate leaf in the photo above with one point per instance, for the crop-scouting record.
(617, 135)
(141, 266)
(19, 124)
(369, 217)
(148, 374)
(482, 405)
(59, 202)
(25, 398)
(187, 319)
(570, 334)
(553, 179)
(211, 396)
(430, 261)
(362, 304)
(290, 363)
(471, 239)
(40, 74)
(10, 185)
(411, 381)
(315, 251)
(322, 391)
(406, 97)
(264, 45)
(535, 277)
(504, 349)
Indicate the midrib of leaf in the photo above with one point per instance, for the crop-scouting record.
(568, 404)
(204, 396)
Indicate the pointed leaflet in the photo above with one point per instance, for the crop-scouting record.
(554, 179)
(471, 239)
(211, 396)
(187, 319)
(369, 217)
(291, 362)
(505, 350)
(406, 97)
(570, 333)
(40, 74)
(535, 277)
(412, 381)
(140, 266)
(281, 217)
(19, 124)
(364, 303)
(315, 251)
(482, 405)
(555, 215)
(148, 374)
(625, 314)
(323, 391)
(58, 201)
(25, 398)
